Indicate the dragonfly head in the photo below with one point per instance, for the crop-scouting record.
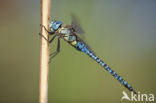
(55, 25)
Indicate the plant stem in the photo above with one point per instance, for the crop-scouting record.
(44, 52)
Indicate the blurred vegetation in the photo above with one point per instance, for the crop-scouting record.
(121, 32)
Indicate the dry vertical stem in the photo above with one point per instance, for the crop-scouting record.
(44, 52)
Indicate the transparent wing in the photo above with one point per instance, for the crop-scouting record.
(75, 25)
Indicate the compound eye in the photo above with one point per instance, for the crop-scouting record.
(59, 22)
(57, 25)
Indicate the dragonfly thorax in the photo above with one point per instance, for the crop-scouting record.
(65, 31)
(67, 34)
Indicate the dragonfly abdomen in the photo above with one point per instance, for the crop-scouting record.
(82, 47)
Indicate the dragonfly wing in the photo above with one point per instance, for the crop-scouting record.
(75, 25)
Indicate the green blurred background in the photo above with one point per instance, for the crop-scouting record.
(121, 32)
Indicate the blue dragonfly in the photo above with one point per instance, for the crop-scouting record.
(70, 34)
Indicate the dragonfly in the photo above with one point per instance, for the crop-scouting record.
(70, 34)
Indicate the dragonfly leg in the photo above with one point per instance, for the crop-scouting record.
(46, 29)
(50, 41)
(52, 55)
(43, 37)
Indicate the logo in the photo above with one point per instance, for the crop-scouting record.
(137, 97)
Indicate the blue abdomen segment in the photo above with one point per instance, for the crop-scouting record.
(82, 47)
